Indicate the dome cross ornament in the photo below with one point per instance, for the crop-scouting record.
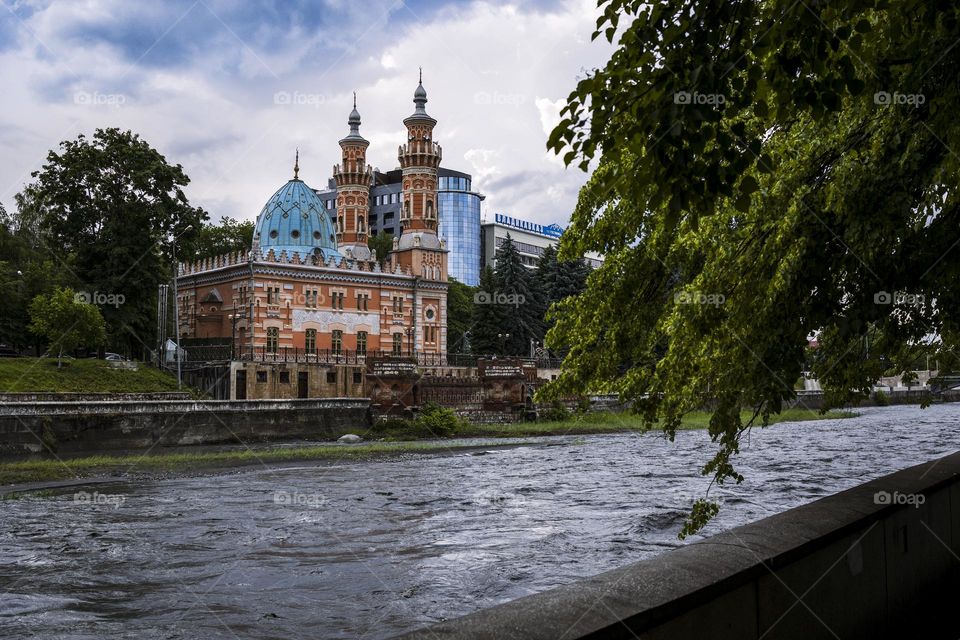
(296, 165)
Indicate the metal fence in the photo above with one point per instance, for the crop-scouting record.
(224, 353)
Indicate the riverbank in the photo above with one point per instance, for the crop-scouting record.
(391, 444)
(595, 423)
(81, 376)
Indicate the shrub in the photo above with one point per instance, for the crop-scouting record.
(439, 421)
(881, 398)
(556, 412)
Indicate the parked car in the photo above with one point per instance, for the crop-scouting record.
(114, 356)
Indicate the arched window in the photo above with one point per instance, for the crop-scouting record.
(430, 209)
(310, 341)
(337, 341)
(406, 209)
(273, 339)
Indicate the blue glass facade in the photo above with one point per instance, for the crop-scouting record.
(458, 207)
(460, 227)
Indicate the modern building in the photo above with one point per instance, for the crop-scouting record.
(458, 206)
(308, 288)
(529, 238)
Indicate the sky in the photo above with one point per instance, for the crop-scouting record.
(229, 90)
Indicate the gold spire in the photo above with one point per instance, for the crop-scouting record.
(296, 166)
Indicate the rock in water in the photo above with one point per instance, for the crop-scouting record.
(350, 438)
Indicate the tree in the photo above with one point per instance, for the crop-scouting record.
(764, 171)
(25, 273)
(460, 306)
(214, 240)
(382, 244)
(489, 319)
(517, 292)
(559, 279)
(106, 211)
(66, 322)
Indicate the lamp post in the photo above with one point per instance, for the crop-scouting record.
(176, 305)
(233, 334)
(409, 332)
(503, 342)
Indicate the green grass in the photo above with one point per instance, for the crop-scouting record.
(48, 470)
(87, 375)
(619, 422)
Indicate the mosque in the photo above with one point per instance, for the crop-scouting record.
(310, 288)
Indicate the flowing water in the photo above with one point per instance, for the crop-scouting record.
(372, 549)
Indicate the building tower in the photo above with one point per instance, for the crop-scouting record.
(353, 178)
(419, 161)
(418, 250)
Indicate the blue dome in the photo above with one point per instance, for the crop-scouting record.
(294, 219)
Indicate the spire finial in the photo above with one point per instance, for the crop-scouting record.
(296, 165)
(354, 99)
(421, 75)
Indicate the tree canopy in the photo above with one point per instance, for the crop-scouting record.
(106, 211)
(763, 172)
(66, 322)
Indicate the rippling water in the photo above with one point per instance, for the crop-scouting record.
(369, 550)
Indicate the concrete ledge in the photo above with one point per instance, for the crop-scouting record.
(88, 427)
(844, 566)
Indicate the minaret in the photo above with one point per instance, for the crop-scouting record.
(353, 178)
(419, 160)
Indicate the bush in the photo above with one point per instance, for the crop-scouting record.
(439, 421)
(556, 412)
(881, 398)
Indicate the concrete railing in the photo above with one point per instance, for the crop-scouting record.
(876, 561)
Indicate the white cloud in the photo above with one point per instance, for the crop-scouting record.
(495, 77)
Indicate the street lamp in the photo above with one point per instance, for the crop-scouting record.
(176, 305)
(233, 333)
(503, 342)
(409, 332)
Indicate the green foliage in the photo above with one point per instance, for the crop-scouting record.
(702, 512)
(66, 323)
(382, 243)
(523, 313)
(85, 375)
(881, 398)
(460, 308)
(214, 240)
(758, 180)
(440, 421)
(489, 320)
(556, 412)
(104, 211)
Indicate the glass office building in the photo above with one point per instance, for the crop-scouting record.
(458, 207)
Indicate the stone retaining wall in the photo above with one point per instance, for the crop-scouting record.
(91, 427)
(877, 561)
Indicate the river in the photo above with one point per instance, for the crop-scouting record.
(371, 549)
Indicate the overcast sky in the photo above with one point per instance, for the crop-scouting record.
(230, 89)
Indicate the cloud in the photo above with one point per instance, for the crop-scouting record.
(228, 90)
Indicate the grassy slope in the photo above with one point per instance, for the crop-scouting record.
(89, 375)
(42, 470)
(617, 422)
